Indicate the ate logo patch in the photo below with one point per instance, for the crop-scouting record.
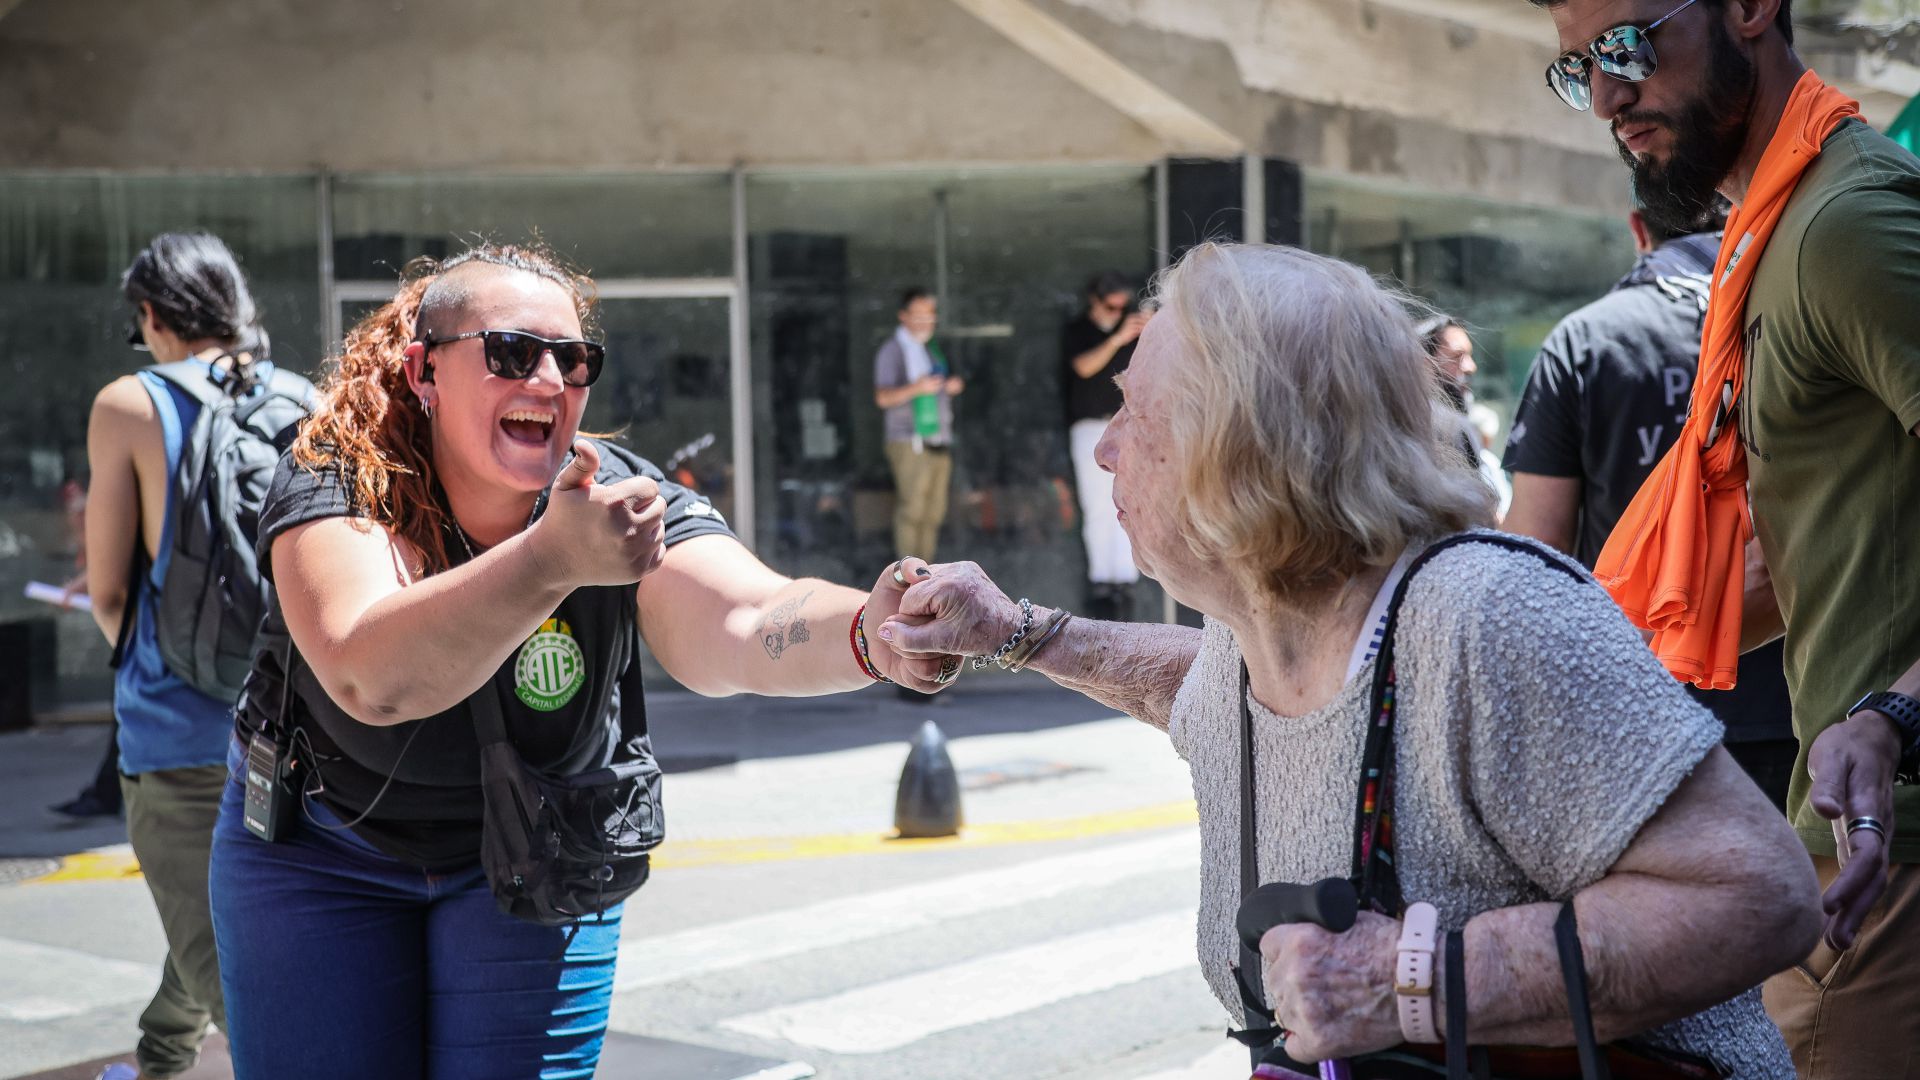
(550, 669)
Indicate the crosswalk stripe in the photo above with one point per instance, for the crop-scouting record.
(46, 982)
(890, 1014)
(1225, 1060)
(652, 961)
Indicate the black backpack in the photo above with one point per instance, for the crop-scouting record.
(212, 599)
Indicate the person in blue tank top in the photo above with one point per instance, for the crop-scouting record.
(191, 306)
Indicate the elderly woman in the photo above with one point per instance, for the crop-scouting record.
(1279, 464)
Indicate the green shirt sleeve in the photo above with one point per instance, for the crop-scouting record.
(1860, 290)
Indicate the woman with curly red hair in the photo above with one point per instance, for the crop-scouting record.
(442, 549)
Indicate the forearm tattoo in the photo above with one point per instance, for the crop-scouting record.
(783, 628)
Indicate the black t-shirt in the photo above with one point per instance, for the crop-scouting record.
(1606, 398)
(570, 695)
(1095, 398)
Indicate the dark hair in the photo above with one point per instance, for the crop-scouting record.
(1661, 228)
(197, 291)
(918, 292)
(1782, 19)
(1108, 282)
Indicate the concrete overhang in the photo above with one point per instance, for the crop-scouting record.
(1180, 128)
(1868, 50)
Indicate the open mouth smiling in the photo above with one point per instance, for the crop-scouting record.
(531, 427)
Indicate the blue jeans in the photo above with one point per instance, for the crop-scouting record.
(338, 960)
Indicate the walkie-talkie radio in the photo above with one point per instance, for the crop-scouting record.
(269, 787)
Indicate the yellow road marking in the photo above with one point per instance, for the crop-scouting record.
(752, 849)
(93, 866)
(121, 865)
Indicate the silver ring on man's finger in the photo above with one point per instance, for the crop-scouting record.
(1871, 825)
(949, 671)
(899, 578)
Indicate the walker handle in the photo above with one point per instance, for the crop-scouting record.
(1331, 904)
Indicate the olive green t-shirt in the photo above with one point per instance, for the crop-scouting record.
(1832, 394)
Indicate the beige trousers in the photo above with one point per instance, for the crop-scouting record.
(920, 481)
(1856, 1015)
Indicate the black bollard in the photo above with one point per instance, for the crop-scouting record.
(929, 800)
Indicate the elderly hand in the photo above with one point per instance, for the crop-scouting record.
(1333, 992)
(1852, 765)
(956, 611)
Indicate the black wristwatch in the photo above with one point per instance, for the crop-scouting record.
(1905, 714)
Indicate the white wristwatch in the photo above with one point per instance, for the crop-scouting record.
(1413, 973)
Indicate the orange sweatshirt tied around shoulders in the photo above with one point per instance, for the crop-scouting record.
(1676, 562)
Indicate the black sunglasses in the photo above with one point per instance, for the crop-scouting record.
(1624, 52)
(514, 354)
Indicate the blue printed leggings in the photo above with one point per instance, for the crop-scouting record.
(338, 960)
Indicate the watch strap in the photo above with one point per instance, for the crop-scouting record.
(1904, 711)
(1413, 973)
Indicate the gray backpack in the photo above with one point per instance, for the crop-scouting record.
(212, 599)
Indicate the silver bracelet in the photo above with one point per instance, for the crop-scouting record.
(1020, 659)
(999, 655)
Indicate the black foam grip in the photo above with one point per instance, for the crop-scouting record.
(1330, 904)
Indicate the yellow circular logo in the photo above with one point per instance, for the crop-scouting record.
(551, 668)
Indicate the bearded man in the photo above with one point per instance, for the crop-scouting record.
(1806, 401)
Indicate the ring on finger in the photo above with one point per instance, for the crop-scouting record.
(1871, 825)
(899, 578)
(949, 671)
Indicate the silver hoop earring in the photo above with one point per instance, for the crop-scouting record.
(427, 407)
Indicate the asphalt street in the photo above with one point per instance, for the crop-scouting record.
(785, 933)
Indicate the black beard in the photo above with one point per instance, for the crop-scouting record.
(1680, 196)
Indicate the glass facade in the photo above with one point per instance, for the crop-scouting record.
(826, 256)
(1510, 272)
(658, 225)
(64, 242)
(1007, 254)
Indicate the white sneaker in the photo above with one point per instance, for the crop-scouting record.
(119, 1071)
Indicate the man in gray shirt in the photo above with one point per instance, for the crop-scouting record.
(914, 386)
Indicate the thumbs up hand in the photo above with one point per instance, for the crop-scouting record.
(601, 534)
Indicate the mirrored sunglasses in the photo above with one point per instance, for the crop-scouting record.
(1624, 53)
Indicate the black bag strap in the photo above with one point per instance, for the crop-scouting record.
(1260, 1030)
(1573, 967)
(1374, 876)
(137, 567)
(488, 722)
(1456, 980)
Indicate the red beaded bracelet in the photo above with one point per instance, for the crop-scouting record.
(857, 639)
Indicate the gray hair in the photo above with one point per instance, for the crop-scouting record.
(1305, 414)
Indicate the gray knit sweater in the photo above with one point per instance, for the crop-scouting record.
(1535, 734)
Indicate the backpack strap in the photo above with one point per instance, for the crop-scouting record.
(189, 377)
